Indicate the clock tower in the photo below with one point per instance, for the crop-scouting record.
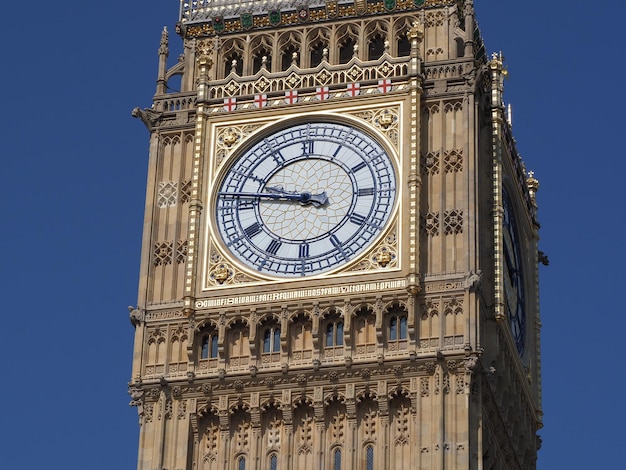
(339, 263)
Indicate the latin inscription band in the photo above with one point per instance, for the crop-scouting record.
(301, 294)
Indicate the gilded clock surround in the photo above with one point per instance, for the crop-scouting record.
(221, 269)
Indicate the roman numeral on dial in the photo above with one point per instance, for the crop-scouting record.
(253, 230)
(357, 219)
(274, 246)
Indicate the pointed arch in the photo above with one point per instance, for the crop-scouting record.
(238, 343)
(318, 40)
(261, 49)
(376, 37)
(332, 328)
(301, 338)
(209, 440)
(288, 45)
(233, 52)
(396, 324)
(364, 331)
(346, 39)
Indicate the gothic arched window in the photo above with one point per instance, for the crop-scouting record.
(404, 46)
(397, 327)
(365, 332)
(369, 457)
(241, 463)
(337, 459)
(334, 333)
(262, 59)
(301, 339)
(290, 56)
(239, 344)
(271, 339)
(460, 47)
(208, 345)
(233, 63)
(317, 54)
(273, 462)
(346, 51)
(376, 47)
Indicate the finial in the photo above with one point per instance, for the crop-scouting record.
(204, 50)
(533, 186)
(496, 63)
(163, 48)
(533, 183)
(416, 31)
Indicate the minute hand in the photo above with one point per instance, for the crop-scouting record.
(304, 198)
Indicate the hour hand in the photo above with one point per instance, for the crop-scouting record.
(304, 198)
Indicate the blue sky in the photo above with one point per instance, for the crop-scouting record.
(74, 172)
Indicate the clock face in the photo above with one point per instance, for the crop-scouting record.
(513, 278)
(305, 199)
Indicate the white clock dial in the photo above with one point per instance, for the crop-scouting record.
(305, 199)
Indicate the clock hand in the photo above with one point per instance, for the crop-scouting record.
(303, 198)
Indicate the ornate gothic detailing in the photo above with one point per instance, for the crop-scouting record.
(173, 104)
(210, 433)
(168, 315)
(209, 17)
(431, 308)
(430, 224)
(148, 116)
(182, 409)
(241, 429)
(386, 120)
(148, 413)
(453, 222)
(228, 137)
(383, 255)
(162, 253)
(450, 341)
(181, 251)
(366, 76)
(336, 417)
(435, 52)
(221, 272)
(453, 307)
(444, 285)
(433, 19)
(401, 407)
(438, 72)
(453, 161)
(430, 163)
(168, 194)
(185, 191)
(453, 106)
